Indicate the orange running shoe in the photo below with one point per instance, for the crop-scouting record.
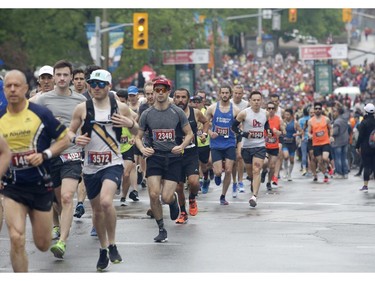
(183, 218)
(275, 180)
(193, 207)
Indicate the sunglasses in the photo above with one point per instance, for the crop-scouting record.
(161, 90)
(317, 108)
(101, 84)
(271, 108)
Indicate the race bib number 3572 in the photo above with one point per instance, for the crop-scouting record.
(99, 158)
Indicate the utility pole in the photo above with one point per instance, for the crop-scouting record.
(259, 38)
(98, 39)
(105, 24)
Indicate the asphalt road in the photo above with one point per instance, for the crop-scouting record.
(300, 227)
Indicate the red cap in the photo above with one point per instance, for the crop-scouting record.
(162, 81)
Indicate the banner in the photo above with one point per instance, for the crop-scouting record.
(116, 42)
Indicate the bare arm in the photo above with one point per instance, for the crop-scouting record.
(5, 156)
(125, 119)
(178, 149)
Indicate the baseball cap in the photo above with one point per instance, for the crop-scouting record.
(46, 69)
(369, 108)
(132, 90)
(101, 75)
(162, 81)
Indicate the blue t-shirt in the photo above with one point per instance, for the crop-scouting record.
(3, 100)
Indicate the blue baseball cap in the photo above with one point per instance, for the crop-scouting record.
(132, 90)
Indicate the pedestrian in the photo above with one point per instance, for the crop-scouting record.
(223, 140)
(254, 120)
(66, 167)
(167, 132)
(341, 143)
(46, 81)
(102, 118)
(79, 82)
(29, 130)
(365, 144)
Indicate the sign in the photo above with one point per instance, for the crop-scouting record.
(323, 79)
(323, 52)
(196, 56)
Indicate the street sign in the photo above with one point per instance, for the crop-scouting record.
(323, 78)
(323, 52)
(196, 56)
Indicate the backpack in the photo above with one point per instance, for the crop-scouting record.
(90, 116)
(371, 139)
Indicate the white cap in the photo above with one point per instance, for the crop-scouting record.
(46, 70)
(369, 108)
(101, 75)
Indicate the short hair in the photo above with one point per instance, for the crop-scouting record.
(275, 96)
(62, 64)
(255, 93)
(318, 103)
(77, 70)
(289, 110)
(122, 93)
(225, 86)
(183, 89)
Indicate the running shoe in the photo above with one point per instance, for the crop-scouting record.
(174, 208)
(55, 232)
(289, 177)
(183, 218)
(325, 178)
(80, 210)
(304, 172)
(205, 186)
(193, 207)
(275, 181)
(241, 187)
(234, 190)
(364, 188)
(123, 202)
(103, 262)
(217, 180)
(144, 183)
(58, 249)
(315, 179)
(114, 255)
(134, 195)
(93, 232)
(162, 237)
(223, 201)
(200, 183)
(263, 175)
(268, 185)
(253, 201)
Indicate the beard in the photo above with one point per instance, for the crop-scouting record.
(182, 105)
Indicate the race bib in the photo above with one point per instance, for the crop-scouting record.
(271, 140)
(222, 131)
(73, 156)
(124, 139)
(256, 134)
(19, 159)
(164, 135)
(319, 134)
(99, 158)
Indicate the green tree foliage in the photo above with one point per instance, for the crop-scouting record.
(33, 37)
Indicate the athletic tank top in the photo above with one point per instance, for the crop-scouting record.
(254, 125)
(221, 124)
(319, 131)
(200, 132)
(272, 141)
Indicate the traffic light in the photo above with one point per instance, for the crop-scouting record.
(346, 15)
(292, 15)
(140, 31)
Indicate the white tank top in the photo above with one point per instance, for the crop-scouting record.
(103, 150)
(254, 125)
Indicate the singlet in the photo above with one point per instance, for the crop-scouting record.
(103, 150)
(319, 131)
(272, 141)
(303, 123)
(163, 128)
(29, 131)
(242, 105)
(290, 131)
(254, 125)
(222, 125)
(62, 108)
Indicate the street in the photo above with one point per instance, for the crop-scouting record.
(301, 227)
